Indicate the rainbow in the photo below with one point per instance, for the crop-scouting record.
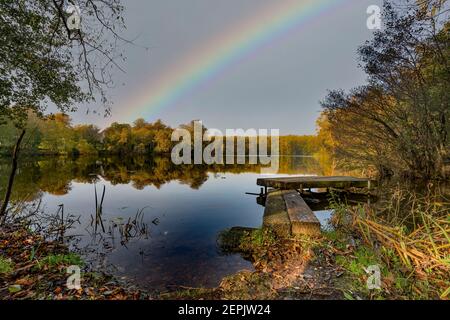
(207, 62)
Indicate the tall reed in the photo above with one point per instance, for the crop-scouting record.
(415, 227)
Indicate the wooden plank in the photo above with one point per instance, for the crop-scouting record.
(304, 182)
(302, 218)
(275, 214)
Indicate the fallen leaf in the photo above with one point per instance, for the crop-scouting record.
(24, 282)
(14, 288)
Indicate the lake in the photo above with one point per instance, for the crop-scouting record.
(160, 221)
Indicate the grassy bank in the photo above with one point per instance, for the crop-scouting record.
(407, 236)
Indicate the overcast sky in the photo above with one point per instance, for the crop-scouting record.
(278, 86)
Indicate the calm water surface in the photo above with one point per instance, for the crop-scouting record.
(181, 212)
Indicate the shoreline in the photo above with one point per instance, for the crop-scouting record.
(329, 266)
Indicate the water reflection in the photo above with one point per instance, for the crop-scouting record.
(54, 175)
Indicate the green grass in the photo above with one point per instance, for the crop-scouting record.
(6, 266)
(61, 259)
(262, 237)
(364, 257)
(353, 283)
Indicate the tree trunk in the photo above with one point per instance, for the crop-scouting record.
(11, 178)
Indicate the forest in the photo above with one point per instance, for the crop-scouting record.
(56, 135)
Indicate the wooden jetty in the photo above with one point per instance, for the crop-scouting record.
(287, 206)
(309, 182)
(287, 213)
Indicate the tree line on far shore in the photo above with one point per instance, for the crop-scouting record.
(56, 135)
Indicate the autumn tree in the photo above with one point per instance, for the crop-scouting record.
(398, 122)
(47, 59)
(90, 134)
